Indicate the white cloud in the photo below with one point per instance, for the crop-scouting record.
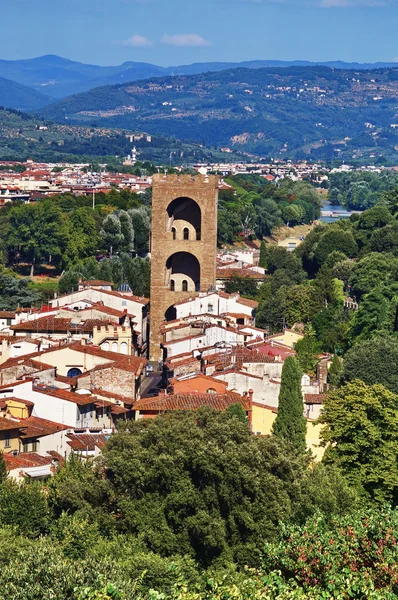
(185, 39)
(137, 41)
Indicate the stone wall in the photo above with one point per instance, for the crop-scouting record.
(204, 192)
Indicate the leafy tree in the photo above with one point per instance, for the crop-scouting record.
(246, 286)
(111, 233)
(290, 423)
(373, 361)
(36, 232)
(15, 292)
(69, 282)
(361, 428)
(296, 303)
(175, 481)
(268, 216)
(335, 370)
(24, 507)
(335, 240)
(141, 221)
(371, 317)
(373, 271)
(83, 238)
(350, 556)
(308, 350)
(127, 230)
(293, 214)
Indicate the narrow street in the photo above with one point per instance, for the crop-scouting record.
(151, 384)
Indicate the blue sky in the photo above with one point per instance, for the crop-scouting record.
(173, 32)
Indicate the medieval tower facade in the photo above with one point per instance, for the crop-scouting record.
(183, 244)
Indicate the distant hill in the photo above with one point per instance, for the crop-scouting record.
(24, 136)
(15, 95)
(59, 77)
(297, 112)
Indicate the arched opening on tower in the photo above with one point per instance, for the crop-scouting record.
(170, 314)
(182, 272)
(184, 219)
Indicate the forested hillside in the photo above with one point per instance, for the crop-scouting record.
(15, 95)
(58, 77)
(23, 136)
(311, 112)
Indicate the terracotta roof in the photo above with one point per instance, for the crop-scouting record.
(113, 395)
(196, 376)
(190, 402)
(130, 363)
(45, 324)
(37, 427)
(26, 460)
(79, 399)
(314, 398)
(106, 310)
(96, 282)
(8, 424)
(138, 299)
(7, 314)
(228, 273)
(86, 442)
(248, 302)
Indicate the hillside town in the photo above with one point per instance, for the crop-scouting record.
(32, 180)
(73, 369)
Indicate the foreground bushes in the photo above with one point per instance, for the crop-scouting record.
(347, 557)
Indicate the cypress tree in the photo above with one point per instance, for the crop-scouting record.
(263, 255)
(290, 423)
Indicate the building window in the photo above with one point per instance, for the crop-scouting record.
(74, 372)
(124, 302)
(123, 348)
(211, 391)
(186, 233)
(105, 346)
(172, 285)
(35, 446)
(184, 285)
(7, 441)
(173, 229)
(114, 347)
(210, 308)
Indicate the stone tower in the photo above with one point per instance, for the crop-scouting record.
(183, 244)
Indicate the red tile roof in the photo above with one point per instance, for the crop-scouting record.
(314, 398)
(248, 302)
(26, 460)
(96, 282)
(190, 402)
(86, 442)
(46, 324)
(7, 314)
(79, 399)
(37, 427)
(8, 424)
